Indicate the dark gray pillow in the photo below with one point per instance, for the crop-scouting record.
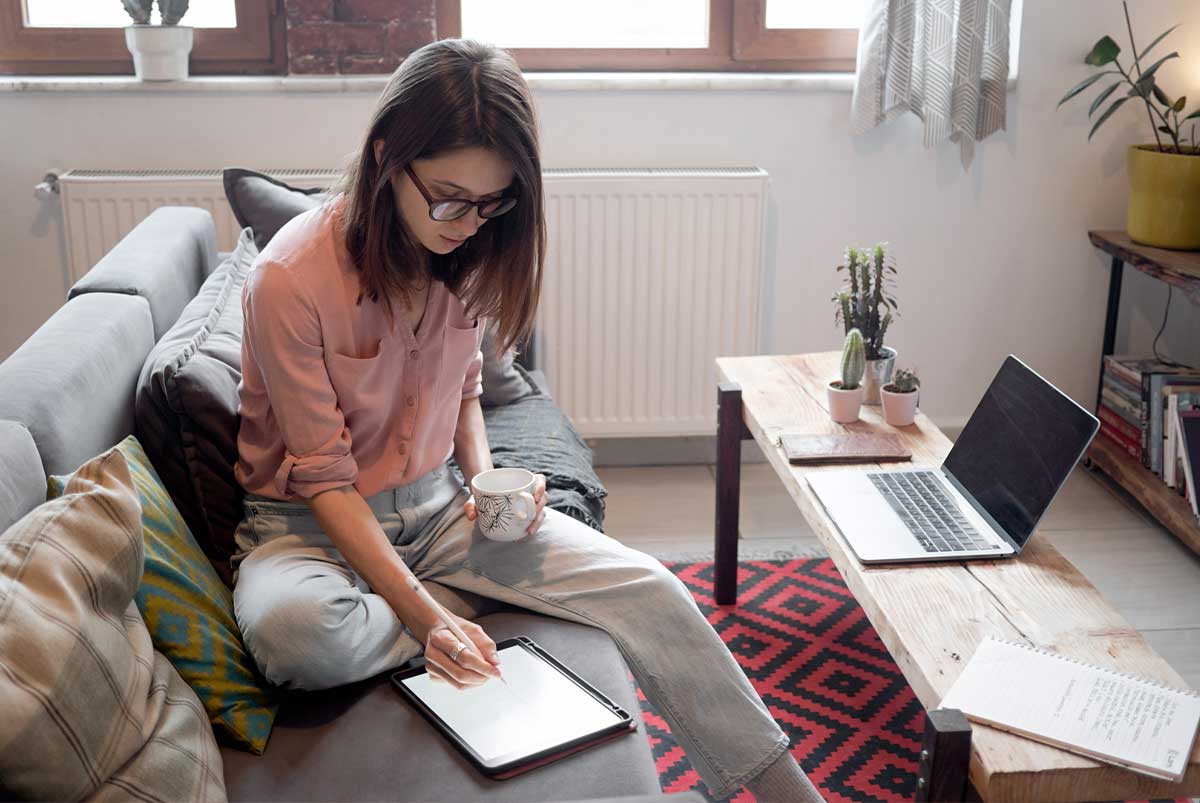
(265, 204)
(502, 382)
(186, 408)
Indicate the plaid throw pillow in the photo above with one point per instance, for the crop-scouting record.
(189, 612)
(90, 710)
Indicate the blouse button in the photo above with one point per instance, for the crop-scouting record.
(410, 401)
(402, 448)
(414, 354)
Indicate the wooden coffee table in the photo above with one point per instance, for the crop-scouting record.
(932, 616)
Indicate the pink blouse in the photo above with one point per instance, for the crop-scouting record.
(330, 395)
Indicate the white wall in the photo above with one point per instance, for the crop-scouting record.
(992, 262)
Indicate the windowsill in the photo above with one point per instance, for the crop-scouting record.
(538, 81)
(373, 84)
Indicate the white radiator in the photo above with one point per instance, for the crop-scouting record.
(650, 275)
(102, 206)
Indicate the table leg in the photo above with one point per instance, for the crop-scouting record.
(943, 770)
(729, 479)
(1110, 320)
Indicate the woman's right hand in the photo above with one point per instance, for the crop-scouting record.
(470, 669)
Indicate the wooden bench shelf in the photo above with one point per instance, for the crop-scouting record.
(1181, 270)
(1171, 509)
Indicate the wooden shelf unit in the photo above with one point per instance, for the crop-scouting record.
(1171, 509)
(1180, 269)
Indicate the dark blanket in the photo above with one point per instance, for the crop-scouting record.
(533, 433)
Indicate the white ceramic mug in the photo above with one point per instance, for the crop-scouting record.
(504, 502)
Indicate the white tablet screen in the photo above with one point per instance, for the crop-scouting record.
(538, 709)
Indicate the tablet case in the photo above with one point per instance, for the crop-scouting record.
(625, 724)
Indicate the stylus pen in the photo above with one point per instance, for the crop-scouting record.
(441, 614)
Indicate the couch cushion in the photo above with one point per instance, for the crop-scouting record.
(21, 473)
(364, 742)
(186, 412)
(189, 612)
(264, 203)
(91, 711)
(71, 383)
(503, 383)
(163, 259)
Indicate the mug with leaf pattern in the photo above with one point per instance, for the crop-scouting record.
(504, 502)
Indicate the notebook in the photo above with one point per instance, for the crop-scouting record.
(1101, 713)
(858, 447)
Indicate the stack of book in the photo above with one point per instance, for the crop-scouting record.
(1151, 410)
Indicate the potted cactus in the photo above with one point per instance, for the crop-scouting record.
(900, 398)
(865, 304)
(160, 52)
(846, 394)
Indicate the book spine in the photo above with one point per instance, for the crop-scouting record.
(1128, 445)
(1116, 368)
(1126, 391)
(1113, 419)
(1155, 414)
(1172, 410)
(1123, 408)
(1145, 420)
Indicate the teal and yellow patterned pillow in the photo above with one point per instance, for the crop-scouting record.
(189, 613)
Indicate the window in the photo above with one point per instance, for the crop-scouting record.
(736, 35)
(85, 37)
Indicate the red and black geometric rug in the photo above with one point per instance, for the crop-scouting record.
(818, 664)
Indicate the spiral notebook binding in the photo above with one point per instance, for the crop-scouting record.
(1153, 683)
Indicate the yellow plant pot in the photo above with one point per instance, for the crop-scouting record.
(1164, 198)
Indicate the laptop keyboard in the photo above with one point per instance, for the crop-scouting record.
(933, 519)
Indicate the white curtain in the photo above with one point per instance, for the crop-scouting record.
(944, 60)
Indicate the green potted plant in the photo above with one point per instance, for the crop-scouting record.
(900, 398)
(864, 303)
(160, 52)
(1164, 176)
(846, 394)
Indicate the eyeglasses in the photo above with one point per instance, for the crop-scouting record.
(454, 208)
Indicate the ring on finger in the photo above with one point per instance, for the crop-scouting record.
(458, 649)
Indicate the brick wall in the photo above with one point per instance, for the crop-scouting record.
(356, 36)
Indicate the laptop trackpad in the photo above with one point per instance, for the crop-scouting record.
(865, 518)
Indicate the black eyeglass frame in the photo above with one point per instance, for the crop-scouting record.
(509, 196)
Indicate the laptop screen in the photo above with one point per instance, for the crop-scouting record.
(1019, 448)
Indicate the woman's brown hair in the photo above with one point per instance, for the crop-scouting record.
(451, 94)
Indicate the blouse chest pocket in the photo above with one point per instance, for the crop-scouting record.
(458, 350)
(361, 381)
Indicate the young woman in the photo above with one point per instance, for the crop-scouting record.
(361, 376)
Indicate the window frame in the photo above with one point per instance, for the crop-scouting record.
(257, 46)
(738, 41)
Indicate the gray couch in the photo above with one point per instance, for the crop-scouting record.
(67, 394)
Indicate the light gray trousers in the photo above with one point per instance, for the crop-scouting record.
(310, 621)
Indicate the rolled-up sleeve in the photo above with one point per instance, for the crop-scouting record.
(283, 334)
(473, 384)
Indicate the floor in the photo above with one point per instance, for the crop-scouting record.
(1144, 571)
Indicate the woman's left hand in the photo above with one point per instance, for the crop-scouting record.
(539, 496)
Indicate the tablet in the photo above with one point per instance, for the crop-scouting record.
(542, 712)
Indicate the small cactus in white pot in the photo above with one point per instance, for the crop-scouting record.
(160, 52)
(846, 394)
(900, 398)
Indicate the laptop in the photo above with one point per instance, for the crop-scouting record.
(986, 499)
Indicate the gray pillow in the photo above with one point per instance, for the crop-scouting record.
(502, 382)
(186, 407)
(265, 204)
